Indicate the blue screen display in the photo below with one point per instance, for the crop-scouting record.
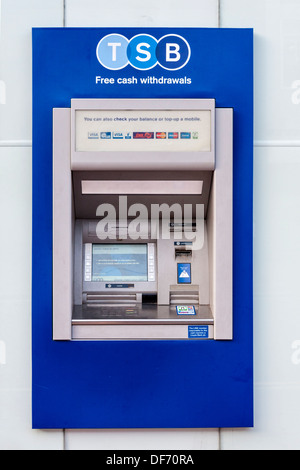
(119, 262)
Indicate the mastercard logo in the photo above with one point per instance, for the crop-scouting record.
(161, 135)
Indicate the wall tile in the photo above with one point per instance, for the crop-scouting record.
(15, 305)
(15, 424)
(276, 221)
(135, 13)
(276, 424)
(17, 20)
(276, 262)
(142, 439)
(276, 303)
(15, 236)
(276, 25)
(15, 267)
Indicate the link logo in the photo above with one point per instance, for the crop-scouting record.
(143, 52)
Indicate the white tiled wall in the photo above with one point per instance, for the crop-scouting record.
(136, 13)
(276, 25)
(17, 18)
(143, 439)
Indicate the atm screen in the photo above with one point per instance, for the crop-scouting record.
(119, 262)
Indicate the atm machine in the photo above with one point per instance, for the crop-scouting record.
(142, 290)
(142, 220)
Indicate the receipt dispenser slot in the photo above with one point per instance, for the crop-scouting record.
(142, 220)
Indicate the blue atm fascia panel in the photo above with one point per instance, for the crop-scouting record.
(142, 384)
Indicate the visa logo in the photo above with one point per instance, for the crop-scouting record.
(93, 135)
(117, 135)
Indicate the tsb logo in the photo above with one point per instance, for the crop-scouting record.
(143, 52)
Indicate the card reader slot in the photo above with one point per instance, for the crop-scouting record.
(110, 299)
(182, 252)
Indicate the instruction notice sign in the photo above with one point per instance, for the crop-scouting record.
(143, 130)
(198, 331)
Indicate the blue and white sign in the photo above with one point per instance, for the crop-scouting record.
(105, 384)
(198, 331)
(143, 51)
(184, 273)
(112, 51)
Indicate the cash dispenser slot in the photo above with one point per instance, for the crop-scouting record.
(142, 231)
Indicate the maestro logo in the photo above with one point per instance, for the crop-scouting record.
(143, 51)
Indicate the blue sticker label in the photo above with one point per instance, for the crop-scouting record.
(185, 135)
(198, 331)
(105, 135)
(173, 135)
(184, 273)
(185, 310)
(117, 135)
(183, 243)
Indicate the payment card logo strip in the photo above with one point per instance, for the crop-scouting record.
(142, 135)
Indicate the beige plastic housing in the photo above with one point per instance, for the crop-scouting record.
(82, 179)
